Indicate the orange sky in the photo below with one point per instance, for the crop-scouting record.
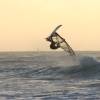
(25, 23)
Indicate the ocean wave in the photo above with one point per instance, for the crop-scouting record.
(87, 67)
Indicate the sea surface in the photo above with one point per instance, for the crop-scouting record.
(49, 76)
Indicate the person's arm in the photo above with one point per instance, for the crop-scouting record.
(48, 39)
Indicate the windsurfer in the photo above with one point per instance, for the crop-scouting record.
(58, 42)
(54, 44)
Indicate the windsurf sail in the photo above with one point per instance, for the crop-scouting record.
(58, 42)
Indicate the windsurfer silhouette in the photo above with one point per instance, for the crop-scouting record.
(58, 42)
(54, 44)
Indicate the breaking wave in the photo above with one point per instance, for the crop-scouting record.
(88, 67)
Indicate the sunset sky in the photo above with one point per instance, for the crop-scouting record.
(24, 24)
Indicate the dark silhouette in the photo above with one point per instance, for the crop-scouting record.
(58, 42)
(53, 45)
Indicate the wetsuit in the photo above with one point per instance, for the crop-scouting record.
(53, 45)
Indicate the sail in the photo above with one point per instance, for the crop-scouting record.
(58, 42)
(63, 44)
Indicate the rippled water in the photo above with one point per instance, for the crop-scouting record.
(49, 76)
